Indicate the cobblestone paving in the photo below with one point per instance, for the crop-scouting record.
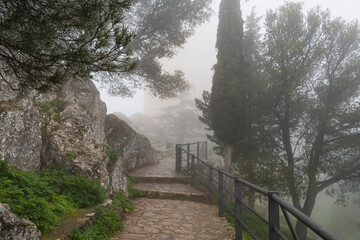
(160, 219)
(168, 219)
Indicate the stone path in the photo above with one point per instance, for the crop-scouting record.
(160, 218)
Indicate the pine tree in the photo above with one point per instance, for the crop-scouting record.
(45, 43)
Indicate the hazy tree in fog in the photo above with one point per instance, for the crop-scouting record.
(312, 65)
(45, 43)
(161, 26)
(181, 120)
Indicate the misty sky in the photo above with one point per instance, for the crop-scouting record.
(198, 55)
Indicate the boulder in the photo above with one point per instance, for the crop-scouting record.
(135, 149)
(20, 122)
(13, 227)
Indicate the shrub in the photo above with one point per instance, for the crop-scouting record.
(30, 196)
(113, 155)
(83, 191)
(123, 203)
(47, 196)
(105, 223)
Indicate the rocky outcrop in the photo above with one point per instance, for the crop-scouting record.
(13, 227)
(20, 122)
(135, 149)
(76, 139)
(65, 127)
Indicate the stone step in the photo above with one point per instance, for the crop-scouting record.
(172, 191)
(159, 179)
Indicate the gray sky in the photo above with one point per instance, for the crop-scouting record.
(198, 55)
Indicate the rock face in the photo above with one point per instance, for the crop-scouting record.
(20, 121)
(76, 141)
(65, 127)
(135, 149)
(13, 227)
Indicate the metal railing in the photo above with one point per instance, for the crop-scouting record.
(214, 180)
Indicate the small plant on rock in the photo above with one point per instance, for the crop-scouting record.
(113, 155)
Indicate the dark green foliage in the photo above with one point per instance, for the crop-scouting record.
(30, 196)
(123, 203)
(105, 223)
(49, 42)
(228, 93)
(113, 155)
(83, 191)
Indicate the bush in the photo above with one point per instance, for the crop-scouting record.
(30, 196)
(83, 191)
(123, 203)
(47, 196)
(105, 223)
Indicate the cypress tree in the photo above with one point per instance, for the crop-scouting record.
(228, 94)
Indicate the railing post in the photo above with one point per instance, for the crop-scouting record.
(198, 149)
(178, 158)
(192, 170)
(206, 150)
(221, 193)
(274, 220)
(188, 156)
(211, 182)
(238, 225)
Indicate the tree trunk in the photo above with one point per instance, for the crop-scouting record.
(300, 228)
(228, 150)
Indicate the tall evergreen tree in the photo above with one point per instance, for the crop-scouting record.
(226, 115)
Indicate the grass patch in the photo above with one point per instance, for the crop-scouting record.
(47, 196)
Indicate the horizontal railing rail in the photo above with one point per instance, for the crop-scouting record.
(217, 181)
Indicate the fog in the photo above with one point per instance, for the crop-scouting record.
(196, 59)
(198, 55)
